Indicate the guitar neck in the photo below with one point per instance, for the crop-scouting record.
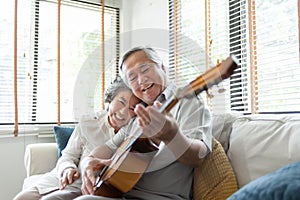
(169, 104)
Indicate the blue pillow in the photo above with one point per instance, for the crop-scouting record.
(283, 184)
(62, 135)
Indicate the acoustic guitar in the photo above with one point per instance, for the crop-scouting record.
(127, 167)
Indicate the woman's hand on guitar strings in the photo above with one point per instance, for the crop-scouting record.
(69, 175)
(89, 169)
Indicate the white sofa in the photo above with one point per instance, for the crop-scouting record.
(255, 145)
(39, 158)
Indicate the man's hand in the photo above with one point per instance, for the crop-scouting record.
(156, 125)
(69, 175)
(163, 127)
(88, 173)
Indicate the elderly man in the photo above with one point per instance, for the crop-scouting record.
(183, 135)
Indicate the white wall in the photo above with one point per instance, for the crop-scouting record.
(143, 22)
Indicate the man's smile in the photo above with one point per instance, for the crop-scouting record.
(147, 87)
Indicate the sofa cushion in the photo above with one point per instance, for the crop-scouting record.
(214, 179)
(283, 184)
(40, 158)
(222, 127)
(62, 135)
(263, 143)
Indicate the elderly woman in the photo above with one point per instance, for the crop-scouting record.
(64, 181)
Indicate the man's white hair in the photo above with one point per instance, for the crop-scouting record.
(150, 53)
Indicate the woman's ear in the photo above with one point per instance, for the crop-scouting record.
(107, 107)
(163, 67)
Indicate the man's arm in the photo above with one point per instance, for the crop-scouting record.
(194, 133)
(164, 127)
(195, 150)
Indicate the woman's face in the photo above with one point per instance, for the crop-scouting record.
(121, 108)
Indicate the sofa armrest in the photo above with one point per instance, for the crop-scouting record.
(40, 158)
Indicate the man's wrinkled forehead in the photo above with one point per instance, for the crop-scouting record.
(137, 58)
(131, 70)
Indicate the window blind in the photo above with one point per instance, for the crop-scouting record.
(14, 55)
(263, 35)
(81, 64)
(218, 47)
(187, 44)
(238, 45)
(37, 57)
(278, 68)
(7, 62)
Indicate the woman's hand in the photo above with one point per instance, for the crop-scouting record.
(88, 173)
(69, 175)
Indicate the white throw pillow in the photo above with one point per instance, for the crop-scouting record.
(263, 143)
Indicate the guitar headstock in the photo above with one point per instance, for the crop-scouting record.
(228, 66)
(211, 77)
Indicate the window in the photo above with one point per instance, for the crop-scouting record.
(262, 34)
(277, 46)
(37, 59)
(187, 41)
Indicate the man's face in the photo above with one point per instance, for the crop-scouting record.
(146, 79)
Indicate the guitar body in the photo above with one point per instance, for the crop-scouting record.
(121, 177)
